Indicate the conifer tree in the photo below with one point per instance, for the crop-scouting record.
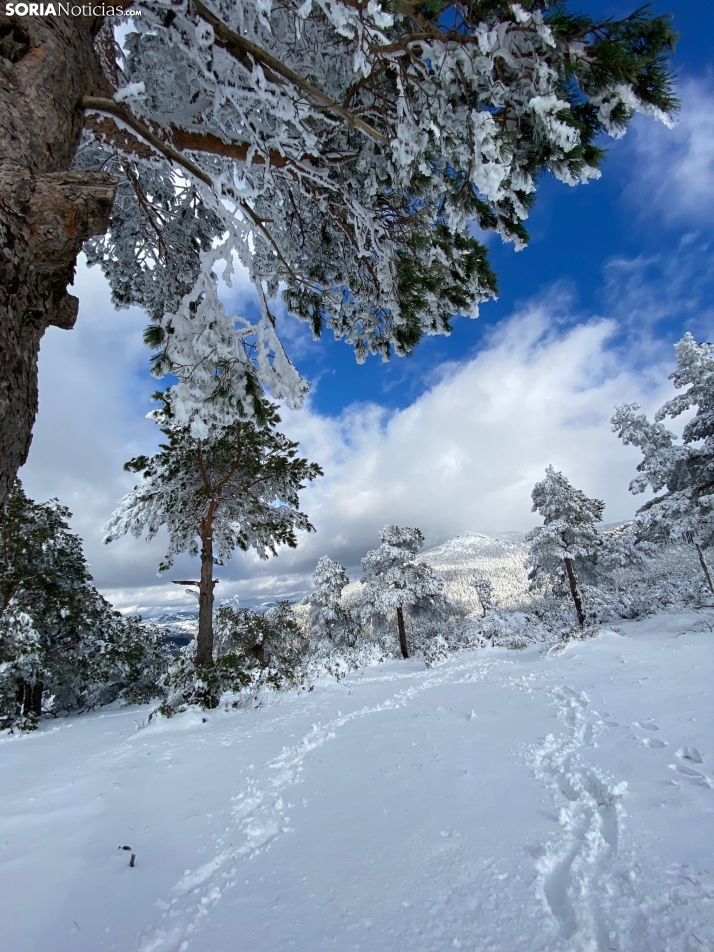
(350, 179)
(684, 512)
(484, 591)
(272, 638)
(237, 487)
(394, 580)
(328, 619)
(59, 637)
(567, 539)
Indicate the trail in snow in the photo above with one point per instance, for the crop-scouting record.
(260, 815)
(577, 869)
(501, 802)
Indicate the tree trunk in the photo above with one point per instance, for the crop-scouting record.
(574, 591)
(46, 211)
(705, 567)
(402, 633)
(204, 646)
(29, 696)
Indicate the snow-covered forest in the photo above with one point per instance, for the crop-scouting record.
(493, 740)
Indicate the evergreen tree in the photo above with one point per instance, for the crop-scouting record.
(240, 631)
(271, 638)
(394, 580)
(235, 488)
(328, 619)
(350, 180)
(59, 638)
(567, 540)
(484, 591)
(684, 512)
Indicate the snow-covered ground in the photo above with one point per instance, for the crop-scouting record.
(498, 802)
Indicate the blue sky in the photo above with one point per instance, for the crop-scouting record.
(453, 438)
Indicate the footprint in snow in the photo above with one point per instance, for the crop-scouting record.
(646, 725)
(690, 753)
(653, 742)
(692, 774)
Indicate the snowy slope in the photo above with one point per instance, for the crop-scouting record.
(499, 558)
(498, 802)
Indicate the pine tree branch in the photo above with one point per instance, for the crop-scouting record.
(243, 49)
(141, 198)
(234, 469)
(119, 110)
(114, 108)
(190, 140)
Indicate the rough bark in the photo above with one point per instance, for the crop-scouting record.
(402, 633)
(705, 568)
(575, 591)
(29, 696)
(204, 642)
(47, 64)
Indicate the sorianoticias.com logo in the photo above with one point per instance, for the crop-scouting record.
(68, 10)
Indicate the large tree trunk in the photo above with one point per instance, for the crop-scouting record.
(705, 567)
(575, 591)
(46, 211)
(402, 633)
(204, 643)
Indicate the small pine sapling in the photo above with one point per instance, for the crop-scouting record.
(484, 592)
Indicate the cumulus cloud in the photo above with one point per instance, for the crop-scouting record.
(463, 456)
(94, 395)
(676, 166)
(466, 454)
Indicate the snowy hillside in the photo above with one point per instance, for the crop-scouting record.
(499, 802)
(498, 558)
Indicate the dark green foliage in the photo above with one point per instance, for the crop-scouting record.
(62, 646)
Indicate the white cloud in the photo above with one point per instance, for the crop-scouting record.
(675, 169)
(465, 455)
(94, 395)
(462, 457)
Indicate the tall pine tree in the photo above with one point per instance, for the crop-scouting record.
(394, 580)
(682, 473)
(59, 638)
(351, 179)
(568, 537)
(235, 488)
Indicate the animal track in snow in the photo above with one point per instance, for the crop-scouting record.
(646, 725)
(654, 742)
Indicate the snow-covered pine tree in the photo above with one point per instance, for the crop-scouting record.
(350, 179)
(272, 638)
(59, 638)
(236, 488)
(484, 591)
(684, 512)
(394, 580)
(567, 539)
(327, 617)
